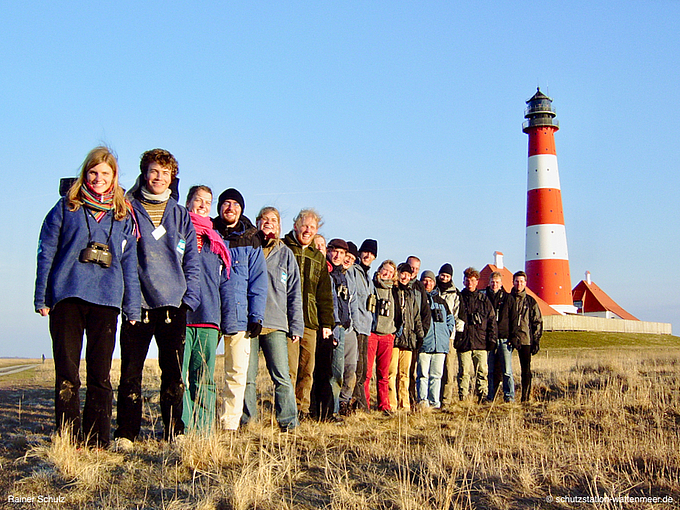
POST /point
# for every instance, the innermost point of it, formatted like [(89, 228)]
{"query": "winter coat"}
[(387, 315), (526, 322), (169, 269), (478, 315), (247, 285), (61, 275), (284, 297), (317, 300), (409, 336), (443, 325), (341, 296), (500, 302), (452, 297), (421, 299), (213, 278), (362, 317)]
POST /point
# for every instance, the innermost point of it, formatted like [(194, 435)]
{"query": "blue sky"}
[(399, 121)]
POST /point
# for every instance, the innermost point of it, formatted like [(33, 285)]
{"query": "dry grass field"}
[(604, 423)]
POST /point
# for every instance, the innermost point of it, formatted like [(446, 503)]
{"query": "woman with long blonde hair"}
[(86, 273)]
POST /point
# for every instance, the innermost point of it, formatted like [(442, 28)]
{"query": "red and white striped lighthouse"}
[(547, 260)]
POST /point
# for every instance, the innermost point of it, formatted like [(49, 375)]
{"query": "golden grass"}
[(602, 423)]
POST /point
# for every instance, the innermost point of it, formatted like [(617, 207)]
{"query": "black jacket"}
[(479, 333), (500, 302)]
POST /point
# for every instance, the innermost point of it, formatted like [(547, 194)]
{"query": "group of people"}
[(322, 321)]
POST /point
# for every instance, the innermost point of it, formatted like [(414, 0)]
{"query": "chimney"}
[(588, 277), (498, 259)]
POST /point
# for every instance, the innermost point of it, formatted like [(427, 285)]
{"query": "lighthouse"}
[(547, 260)]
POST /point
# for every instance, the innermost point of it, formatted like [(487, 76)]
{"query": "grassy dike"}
[(602, 340)]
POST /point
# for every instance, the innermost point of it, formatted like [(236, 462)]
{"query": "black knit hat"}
[(352, 248), (447, 269), (404, 268), (369, 245), (231, 194)]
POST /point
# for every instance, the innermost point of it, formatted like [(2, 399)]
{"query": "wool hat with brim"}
[(370, 246), (338, 244)]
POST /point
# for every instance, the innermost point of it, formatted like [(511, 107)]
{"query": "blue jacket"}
[(169, 270), (213, 307), (247, 286), (437, 337), (283, 311), (61, 275), (362, 319)]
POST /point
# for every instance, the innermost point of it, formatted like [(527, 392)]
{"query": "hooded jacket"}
[(284, 296), (213, 306), (478, 315), (452, 297), (526, 322), (61, 275), (362, 318), (500, 301), (169, 269), (442, 326), (247, 286), (341, 296), (317, 299), (410, 334)]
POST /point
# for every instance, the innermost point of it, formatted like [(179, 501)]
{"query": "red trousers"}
[(380, 351)]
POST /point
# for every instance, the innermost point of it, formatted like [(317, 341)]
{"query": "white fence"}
[(583, 323)]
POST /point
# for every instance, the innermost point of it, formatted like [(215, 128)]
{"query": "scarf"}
[(147, 196), (101, 203), (269, 243), (98, 203), (203, 227), (444, 286)]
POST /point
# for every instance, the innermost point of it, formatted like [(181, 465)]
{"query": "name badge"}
[(284, 277), (158, 233), (180, 246)]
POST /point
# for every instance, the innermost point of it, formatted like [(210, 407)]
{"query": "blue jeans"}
[(430, 371), (502, 354), (275, 349), (338, 366)]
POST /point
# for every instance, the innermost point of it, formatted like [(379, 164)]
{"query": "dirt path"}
[(15, 369)]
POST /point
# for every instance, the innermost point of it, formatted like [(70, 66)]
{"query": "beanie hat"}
[(339, 244), (446, 269), (370, 246), (404, 268), (231, 194), (352, 248), (427, 274)]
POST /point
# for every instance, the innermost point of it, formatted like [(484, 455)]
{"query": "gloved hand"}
[(535, 347), (254, 329)]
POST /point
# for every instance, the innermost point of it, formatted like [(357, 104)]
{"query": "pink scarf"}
[(203, 227)]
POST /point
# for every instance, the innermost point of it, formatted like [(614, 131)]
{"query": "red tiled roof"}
[(484, 274), (596, 300)]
